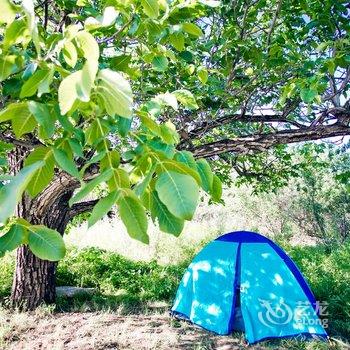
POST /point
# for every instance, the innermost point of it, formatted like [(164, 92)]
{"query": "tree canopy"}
[(131, 97)]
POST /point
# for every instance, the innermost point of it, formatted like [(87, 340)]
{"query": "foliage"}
[(68, 98), (328, 275), (110, 273), (99, 94), (323, 205)]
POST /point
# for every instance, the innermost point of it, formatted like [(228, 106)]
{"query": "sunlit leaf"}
[(133, 216), (12, 238), (151, 8), (11, 193), (179, 193), (43, 175), (45, 243), (116, 93), (103, 206)]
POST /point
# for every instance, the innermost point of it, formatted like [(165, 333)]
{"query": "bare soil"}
[(94, 331)]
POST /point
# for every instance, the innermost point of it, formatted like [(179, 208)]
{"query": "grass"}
[(117, 279)]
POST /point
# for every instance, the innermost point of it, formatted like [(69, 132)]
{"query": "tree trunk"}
[(34, 280)]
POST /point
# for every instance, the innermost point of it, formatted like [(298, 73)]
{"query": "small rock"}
[(70, 292)]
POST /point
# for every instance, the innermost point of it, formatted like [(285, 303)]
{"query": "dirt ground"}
[(85, 331), (97, 331)]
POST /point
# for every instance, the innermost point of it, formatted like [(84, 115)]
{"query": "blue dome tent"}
[(244, 281)]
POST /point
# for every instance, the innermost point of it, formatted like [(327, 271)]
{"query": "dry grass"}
[(97, 331), (86, 331)]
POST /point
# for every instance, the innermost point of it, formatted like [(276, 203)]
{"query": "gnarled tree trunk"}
[(34, 279)]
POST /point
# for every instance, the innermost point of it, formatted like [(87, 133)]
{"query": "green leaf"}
[(111, 160), (179, 193), (77, 86), (192, 29), (216, 190), (141, 187), (12, 239), (90, 186), (44, 173), (95, 159), (179, 167), (203, 75), (121, 62), (149, 123), (124, 126), (15, 33), (88, 45), (160, 63), (31, 86), (67, 91), (167, 99), (186, 98), (44, 86), (308, 95), (187, 158), (8, 11), (133, 216), (28, 8), (19, 110), (8, 66), (107, 19), (119, 179), (206, 174), (45, 243), (66, 163), (96, 131), (151, 8), (23, 123), (167, 150), (70, 54), (167, 221), (102, 207), (11, 193), (76, 147), (177, 39), (43, 116), (88, 75), (116, 93)]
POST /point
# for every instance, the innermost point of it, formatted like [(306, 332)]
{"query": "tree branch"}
[(82, 207), (226, 119), (262, 142), (21, 143), (272, 26)]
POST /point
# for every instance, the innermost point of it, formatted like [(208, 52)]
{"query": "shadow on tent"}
[(243, 281)]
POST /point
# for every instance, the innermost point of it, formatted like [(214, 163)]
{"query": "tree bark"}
[(34, 280)]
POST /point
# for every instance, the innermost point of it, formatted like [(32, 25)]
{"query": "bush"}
[(7, 265), (111, 273), (328, 273)]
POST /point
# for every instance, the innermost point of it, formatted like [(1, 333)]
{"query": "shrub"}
[(111, 273), (328, 273)]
